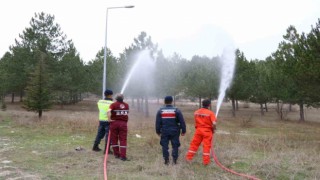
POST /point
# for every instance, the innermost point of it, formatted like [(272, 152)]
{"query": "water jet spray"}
[(228, 61), (141, 70)]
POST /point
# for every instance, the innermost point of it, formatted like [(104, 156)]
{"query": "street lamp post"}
[(105, 51)]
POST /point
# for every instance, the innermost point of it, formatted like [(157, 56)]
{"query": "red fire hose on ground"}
[(106, 158), (226, 169)]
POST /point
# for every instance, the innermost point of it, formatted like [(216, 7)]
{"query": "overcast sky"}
[(199, 27)]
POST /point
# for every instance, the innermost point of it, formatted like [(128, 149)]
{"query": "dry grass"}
[(262, 146)]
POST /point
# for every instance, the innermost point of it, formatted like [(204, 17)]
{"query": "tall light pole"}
[(105, 50)]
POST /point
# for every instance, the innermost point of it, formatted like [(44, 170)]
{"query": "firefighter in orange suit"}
[(205, 124)]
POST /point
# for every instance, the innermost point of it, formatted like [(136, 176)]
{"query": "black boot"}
[(174, 161), (96, 148), (166, 161), (124, 159)]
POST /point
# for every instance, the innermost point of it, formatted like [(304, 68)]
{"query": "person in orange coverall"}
[(205, 124)]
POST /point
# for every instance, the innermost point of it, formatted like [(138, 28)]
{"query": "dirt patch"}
[(7, 168)]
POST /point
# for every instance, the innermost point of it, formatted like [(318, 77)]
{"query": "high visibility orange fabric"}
[(204, 120)]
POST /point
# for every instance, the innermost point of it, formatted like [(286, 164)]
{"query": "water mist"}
[(228, 61), (141, 71)]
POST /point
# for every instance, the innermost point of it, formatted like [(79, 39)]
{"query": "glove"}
[(214, 128)]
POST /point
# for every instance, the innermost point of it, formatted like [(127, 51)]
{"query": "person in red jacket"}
[(205, 124), (118, 113)]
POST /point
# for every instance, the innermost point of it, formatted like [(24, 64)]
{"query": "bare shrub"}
[(262, 144), (246, 105), (3, 106), (246, 122)]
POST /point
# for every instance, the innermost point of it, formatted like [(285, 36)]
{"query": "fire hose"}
[(229, 170), (106, 158)]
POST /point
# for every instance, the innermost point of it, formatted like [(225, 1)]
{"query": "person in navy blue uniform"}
[(169, 124)]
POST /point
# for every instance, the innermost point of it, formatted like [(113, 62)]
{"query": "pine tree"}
[(38, 94)]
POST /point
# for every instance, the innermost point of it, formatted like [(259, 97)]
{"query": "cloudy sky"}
[(188, 27)]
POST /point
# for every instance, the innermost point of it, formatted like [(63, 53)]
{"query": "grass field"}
[(262, 146)]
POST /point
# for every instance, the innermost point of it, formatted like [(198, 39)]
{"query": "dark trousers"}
[(118, 137), (103, 131), (172, 137)]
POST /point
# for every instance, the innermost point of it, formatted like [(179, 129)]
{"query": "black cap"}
[(168, 99), (108, 92), (206, 103)]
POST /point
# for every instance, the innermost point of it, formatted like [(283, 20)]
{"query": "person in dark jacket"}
[(169, 124)]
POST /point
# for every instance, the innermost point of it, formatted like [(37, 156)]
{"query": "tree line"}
[(43, 68)]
